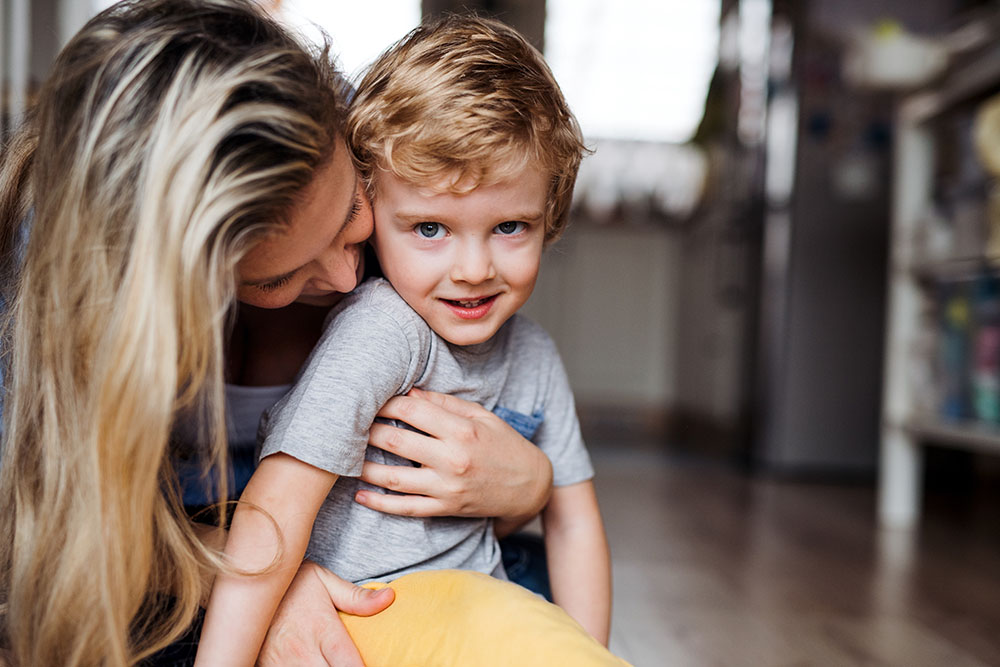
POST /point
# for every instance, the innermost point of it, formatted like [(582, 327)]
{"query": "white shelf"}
[(962, 84), (904, 431), (980, 436), (930, 271)]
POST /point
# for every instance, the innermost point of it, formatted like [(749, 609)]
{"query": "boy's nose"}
[(472, 265)]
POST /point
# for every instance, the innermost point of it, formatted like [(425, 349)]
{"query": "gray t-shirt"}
[(375, 347)]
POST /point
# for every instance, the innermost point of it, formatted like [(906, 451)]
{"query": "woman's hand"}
[(472, 462), (306, 629)]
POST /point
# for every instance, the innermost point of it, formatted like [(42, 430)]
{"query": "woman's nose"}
[(338, 269)]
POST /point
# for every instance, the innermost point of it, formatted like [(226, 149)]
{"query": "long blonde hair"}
[(169, 137)]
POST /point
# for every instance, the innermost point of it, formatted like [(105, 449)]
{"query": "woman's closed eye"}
[(277, 283), (431, 230), (510, 227), (352, 215), (356, 205)]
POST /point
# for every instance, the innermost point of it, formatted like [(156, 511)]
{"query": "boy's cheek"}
[(525, 266), (379, 241), (389, 251)]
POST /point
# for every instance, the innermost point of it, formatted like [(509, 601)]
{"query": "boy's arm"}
[(290, 492), (578, 558)]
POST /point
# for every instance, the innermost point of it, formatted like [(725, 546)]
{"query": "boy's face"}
[(464, 262)]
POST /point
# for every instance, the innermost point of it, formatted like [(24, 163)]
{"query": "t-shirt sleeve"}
[(559, 434), (364, 357)]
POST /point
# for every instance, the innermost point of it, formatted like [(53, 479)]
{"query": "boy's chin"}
[(469, 337)]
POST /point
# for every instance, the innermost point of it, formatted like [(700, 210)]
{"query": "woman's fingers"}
[(400, 478), (408, 505), (433, 413), (449, 403), (422, 490), (352, 598), (306, 630), (472, 462), (405, 443)]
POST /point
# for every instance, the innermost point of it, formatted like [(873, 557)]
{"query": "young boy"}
[(470, 154)]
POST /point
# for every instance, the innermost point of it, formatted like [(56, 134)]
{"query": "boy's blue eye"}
[(430, 230), (509, 227)]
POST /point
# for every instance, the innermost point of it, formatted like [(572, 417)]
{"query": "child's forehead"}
[(460, 180), (454, 182), (527, 191)]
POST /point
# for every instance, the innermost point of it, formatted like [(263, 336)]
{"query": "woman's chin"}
[(325, 300)]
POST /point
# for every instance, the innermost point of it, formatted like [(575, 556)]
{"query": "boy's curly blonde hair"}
[(469, 100)]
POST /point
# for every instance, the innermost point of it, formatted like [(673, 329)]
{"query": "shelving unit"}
[(906, 426), (965, 434)]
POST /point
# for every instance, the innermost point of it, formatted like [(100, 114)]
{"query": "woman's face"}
[(317, 256)]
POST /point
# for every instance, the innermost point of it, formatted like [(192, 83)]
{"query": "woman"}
[(184, 155)]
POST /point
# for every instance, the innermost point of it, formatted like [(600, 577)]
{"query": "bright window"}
[(634, 69), (359, 31)]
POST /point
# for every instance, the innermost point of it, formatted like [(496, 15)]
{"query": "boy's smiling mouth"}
[(470, 303), (471, 309)]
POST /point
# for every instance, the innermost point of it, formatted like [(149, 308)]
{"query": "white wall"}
[(712, 326), (609, 297)]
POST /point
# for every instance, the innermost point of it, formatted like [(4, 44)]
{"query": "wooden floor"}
[(712, 567)]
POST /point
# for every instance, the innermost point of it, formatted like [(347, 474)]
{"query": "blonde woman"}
[(185, 156)]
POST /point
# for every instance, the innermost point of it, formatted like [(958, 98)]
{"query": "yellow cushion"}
[(442, 618)]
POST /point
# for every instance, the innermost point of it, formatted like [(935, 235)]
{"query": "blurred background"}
[(778, 303)]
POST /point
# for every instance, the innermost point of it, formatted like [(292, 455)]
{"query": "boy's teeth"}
[(470, 304)]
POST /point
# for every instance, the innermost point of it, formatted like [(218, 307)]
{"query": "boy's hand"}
[(471, 462), (306, 629)]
